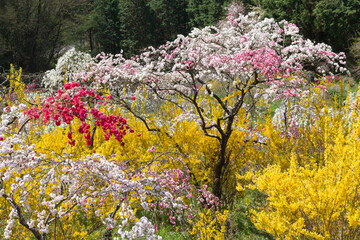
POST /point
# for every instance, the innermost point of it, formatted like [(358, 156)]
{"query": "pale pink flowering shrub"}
[(66, 186)]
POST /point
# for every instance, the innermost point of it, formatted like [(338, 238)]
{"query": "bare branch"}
[(22, 220)]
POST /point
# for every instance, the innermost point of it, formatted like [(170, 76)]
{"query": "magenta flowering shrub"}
[(75, 102)]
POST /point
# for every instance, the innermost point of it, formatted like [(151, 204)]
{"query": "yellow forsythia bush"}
[(210, 225), (312, 187)]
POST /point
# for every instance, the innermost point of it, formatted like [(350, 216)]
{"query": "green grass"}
[(239, 225), (169, 232)]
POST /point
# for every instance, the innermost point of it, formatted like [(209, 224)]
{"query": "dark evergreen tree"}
[(338, 21), (108, 26), (80, 29), (32, 31), (205, 12), (171, 19), (334, 22), (137, 26)]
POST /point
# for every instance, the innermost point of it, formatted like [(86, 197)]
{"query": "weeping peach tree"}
[(229, 68)]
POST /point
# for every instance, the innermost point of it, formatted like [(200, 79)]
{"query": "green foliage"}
[(334, 22), (80, 29), (168, 232), (108, 25), (205, 12), (134, 25), (240, 226), (338, 21), (137, 26), (32, 31), (298, 12), (171, 19)]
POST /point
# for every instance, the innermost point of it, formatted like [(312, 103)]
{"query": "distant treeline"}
[(34, 32)]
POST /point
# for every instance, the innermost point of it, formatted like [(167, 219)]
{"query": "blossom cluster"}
[(75, 102), (251, 46), (70, 63)]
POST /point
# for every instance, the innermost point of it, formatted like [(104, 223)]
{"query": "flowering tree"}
[(227, 67), (68, 64)]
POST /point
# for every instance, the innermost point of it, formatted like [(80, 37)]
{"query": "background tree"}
[(33, 31), (108, 26), (137, 26), (80, 30), (334, 22), (338, 22), (205, 12), (171, 19)]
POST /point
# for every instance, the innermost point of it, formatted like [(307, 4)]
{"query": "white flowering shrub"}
[(68, 65)]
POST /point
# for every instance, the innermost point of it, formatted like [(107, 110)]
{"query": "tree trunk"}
[(219, 167), (108, 234)]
